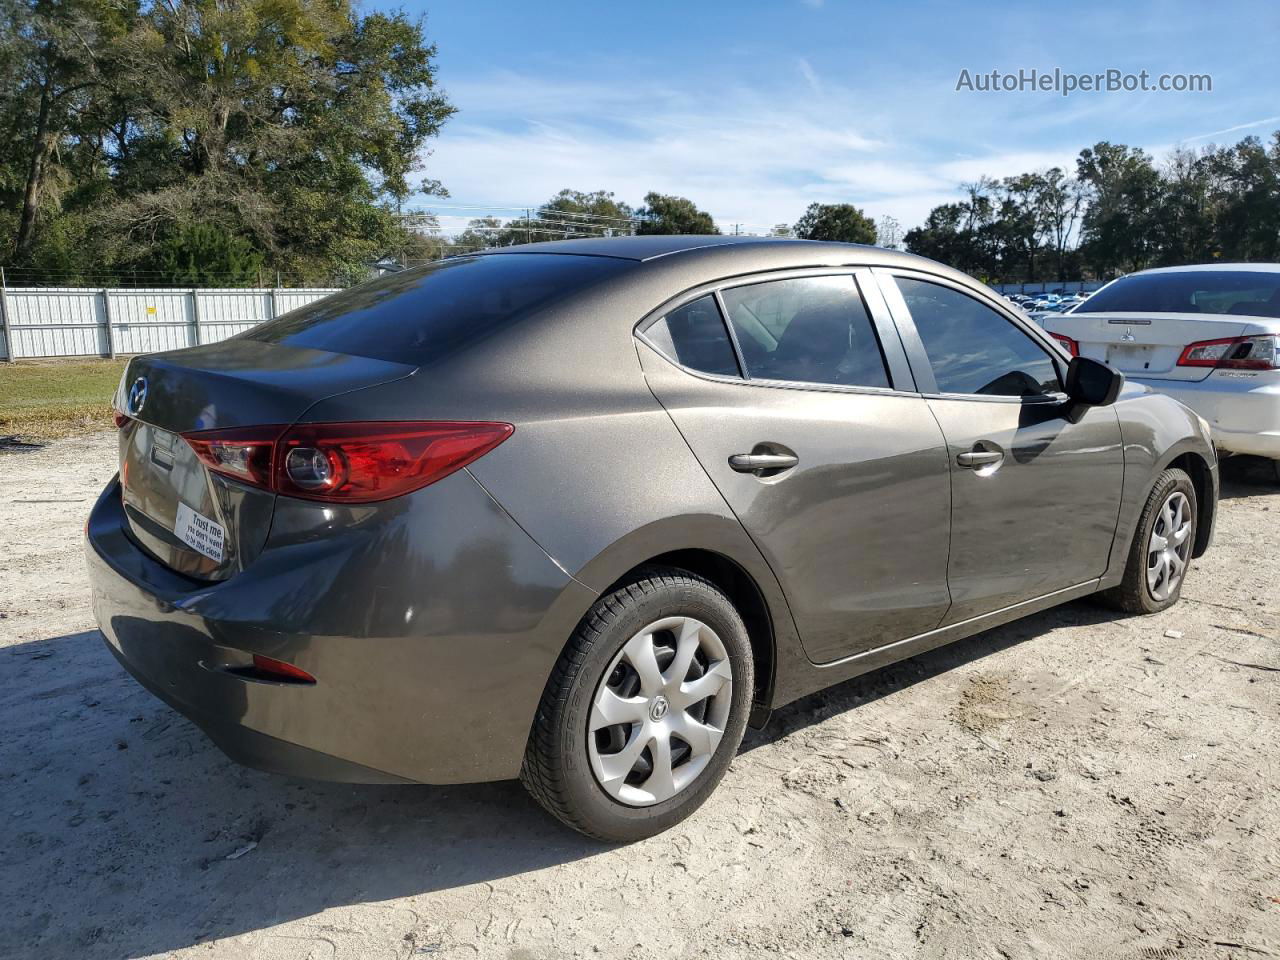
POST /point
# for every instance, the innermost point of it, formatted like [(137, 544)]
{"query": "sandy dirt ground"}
[(1078, 784)]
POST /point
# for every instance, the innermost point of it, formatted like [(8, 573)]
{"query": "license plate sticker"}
[(199, 532)]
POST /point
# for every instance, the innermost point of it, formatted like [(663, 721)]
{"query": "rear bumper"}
[(1243, 411), (426, 671)]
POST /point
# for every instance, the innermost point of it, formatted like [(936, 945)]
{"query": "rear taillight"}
[(1073, 348), (1261, 352), (346, 462), (245, 453), (120, 417)]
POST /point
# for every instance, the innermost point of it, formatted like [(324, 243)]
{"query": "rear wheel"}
[(1161, 550), (645, 708)]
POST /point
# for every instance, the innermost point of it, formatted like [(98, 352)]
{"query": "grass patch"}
[(51, 399)]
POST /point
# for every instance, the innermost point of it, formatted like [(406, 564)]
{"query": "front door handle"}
[(762, 462), (975, 459)]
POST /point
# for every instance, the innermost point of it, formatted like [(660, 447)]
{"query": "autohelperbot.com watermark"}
[(1065, 83)]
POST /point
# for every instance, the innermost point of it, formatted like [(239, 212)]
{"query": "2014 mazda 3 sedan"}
[(579, 512)]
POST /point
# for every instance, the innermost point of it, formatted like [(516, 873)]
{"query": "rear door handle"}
[(760, 462), (979, 458)]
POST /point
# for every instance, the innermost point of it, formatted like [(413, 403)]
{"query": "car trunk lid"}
[(193, 520), (1144, 345)]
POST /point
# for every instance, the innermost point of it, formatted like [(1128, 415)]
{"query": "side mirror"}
[(1093, 383)]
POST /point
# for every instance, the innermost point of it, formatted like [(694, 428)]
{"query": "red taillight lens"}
[(1072, 347), (347, 462), (271, 669), (1260, 352), (120, 417), (362, 462), (242, 452)]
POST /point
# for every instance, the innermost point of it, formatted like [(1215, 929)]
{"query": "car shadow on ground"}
[(131, 834), (897, 677), (1247, 477)]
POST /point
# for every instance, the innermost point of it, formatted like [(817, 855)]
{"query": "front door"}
[(1034, 491), (838, 475)]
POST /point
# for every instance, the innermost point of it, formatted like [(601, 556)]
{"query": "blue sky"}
[(756, 109)]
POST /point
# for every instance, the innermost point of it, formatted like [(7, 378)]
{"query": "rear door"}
[(813, 432), (1035, 495)]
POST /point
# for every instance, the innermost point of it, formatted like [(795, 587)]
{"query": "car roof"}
[(634, 248), (736, 254), (1223, 267)]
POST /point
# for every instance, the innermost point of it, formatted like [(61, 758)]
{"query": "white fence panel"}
[(287, 300), (224, 313), (56, 322), (148, 321), (87, 322)]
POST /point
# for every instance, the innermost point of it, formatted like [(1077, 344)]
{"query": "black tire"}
[(1132, 594), (557, 768)]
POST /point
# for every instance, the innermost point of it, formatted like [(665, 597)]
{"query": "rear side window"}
[(806, 330), (972, 348), (1244, 293), (427, 313), (694, 335)]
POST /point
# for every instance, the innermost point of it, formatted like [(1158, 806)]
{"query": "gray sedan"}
[(581, 512)]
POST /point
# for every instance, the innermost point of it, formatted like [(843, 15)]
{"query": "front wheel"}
[(1161, 550), (644, 710)]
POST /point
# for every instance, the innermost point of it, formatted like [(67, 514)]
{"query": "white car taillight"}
[(1259, 352)]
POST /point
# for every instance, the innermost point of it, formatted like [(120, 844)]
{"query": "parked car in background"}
[(1208, 335), (578, 512)]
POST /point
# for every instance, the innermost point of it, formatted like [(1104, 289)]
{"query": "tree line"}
[(577, 213), (1120, 210)]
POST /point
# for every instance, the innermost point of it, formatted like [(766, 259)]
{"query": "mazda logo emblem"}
[(659, 709), (137, 396)]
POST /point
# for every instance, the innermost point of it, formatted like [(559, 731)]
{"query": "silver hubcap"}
[(1169, 546), (660, 711)]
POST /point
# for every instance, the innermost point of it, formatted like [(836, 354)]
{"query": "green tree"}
[(51, 69), (201, 254), (842, 222), (569, 214), (665, 214), (293, 124), (1119, 229)]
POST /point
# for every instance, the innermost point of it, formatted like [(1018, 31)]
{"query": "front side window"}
[(972, 348), (806, 330), (695, 337)]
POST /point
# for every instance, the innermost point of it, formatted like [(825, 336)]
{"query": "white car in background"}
[(1207, 335)]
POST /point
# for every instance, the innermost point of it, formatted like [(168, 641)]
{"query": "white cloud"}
[(1239, 126), (810, 75), (752, 151)]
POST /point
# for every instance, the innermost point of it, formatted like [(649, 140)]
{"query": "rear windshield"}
[(426, 313), (1240, 292)]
